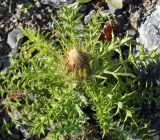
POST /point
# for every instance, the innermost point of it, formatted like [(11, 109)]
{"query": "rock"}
[(50, 25), (4, 49), (158, 3), (121, 24), (156, 137), (16, 114), (89, 16), (14, 133), (25, 133), (132, 8), (149, 32), (55, 3), (134, 19), (121, 19), (4, 63), (15, 38), (30, 96), (42, 11), (112, 9), (39, 16), (2, 10), (131, 32), (151, 10), (79, 27)]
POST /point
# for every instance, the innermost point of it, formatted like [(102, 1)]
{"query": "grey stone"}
[(143, 19), (156, 137), (4, 49), (121, 19), (25, 133), (4, 63), (125, 27), (13, 53), (149, 32), (55, 3), (30, 96), (39, 16), (89, 16), (152, 9), (79, 27), (2, 8), (131, 33), (124, 12), (17, 115), (15, 38), (42, 11), (158, 2), (135, 19), (51, 25)]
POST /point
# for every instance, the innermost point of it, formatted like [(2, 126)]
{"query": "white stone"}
[(149, 32), (54, 3), (15, 38)]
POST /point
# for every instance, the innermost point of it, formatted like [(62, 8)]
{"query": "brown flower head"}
[(76, 60)]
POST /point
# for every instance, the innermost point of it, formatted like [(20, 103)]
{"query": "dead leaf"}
[(107, 31)]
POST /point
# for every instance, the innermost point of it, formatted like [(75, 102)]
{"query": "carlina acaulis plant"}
[(77, 62), (76, 83)]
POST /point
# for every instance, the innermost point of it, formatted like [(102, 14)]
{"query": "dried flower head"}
[(76, 60)]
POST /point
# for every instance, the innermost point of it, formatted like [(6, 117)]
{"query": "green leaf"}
[(115, 3), (120, 106), (83, 1), (26, 7), (128, 114)]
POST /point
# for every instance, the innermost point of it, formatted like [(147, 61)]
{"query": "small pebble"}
[(131, 33), (50, 25), (39, 16), (121, 19), (42, 11)]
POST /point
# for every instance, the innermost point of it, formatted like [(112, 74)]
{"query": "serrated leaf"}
[(79, 110), (120, 106), (128, 114)]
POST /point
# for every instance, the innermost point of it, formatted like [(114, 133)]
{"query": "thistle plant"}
[(69, 76)]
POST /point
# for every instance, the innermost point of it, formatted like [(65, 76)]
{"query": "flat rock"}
[(89, 17), (55, 3), (149, 32), (15, 38)]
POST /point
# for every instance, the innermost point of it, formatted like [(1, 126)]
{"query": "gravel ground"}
[(134, 18)]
